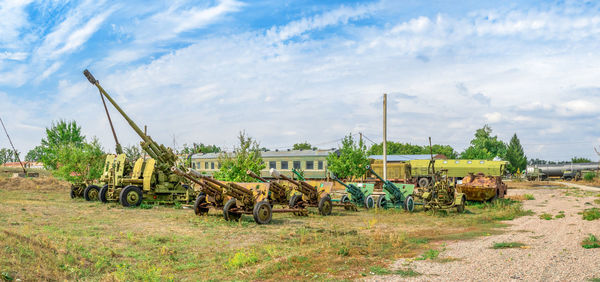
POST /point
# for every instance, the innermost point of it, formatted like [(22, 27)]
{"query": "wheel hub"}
[(132, 197)]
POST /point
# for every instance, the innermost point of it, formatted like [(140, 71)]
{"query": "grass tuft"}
[(429, 254), (591, 242), (591, 214), (507, 245), (546, 216), (529, 197)]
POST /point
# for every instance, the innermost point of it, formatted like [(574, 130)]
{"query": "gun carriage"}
[(357, 194), (395, 195), (305, 195)]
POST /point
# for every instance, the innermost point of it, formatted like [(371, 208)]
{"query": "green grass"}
[(529, 197), (378, 270), (507, 245), (46, 235), (560, 215), (591, 214), (591, 242), (546, 216)]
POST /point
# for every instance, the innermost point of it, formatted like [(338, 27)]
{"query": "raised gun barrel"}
[(302, 186), (351, 188), (275, 187), (164, 156), (387, 185)]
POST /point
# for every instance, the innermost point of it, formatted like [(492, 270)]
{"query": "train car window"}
[(212, 165), (310, 165), (205, 165), (457, 162), (320, 164), (469, 162), (272, 164), (481, 162), (445, 162), (297, 165), (284, 165), (194, 165)]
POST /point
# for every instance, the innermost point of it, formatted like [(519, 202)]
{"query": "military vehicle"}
[(305, 195), (154, 182), (358, 194), (396, 195), (479, 187)]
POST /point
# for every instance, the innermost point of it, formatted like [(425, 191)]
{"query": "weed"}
[(591, 242), (429, 254), (560, 215), (529, 197), (6, 276), (177, 206), (241, 258), (546, 216), (343, 251), (589, 176), (146, 206), (591, 214), (378, 270), (507, 245)]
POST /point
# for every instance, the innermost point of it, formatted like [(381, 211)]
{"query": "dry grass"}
[(47, 236)]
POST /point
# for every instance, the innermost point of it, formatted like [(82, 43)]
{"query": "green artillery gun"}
[(211, 194), (155, 182), (396, 195), (359, 196), (309, 196)]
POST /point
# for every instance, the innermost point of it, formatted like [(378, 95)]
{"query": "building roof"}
[(276, 153), (403, 158)]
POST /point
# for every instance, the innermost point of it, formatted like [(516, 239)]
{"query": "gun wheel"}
[(409, 204), (130, 196), (295, 201), (102, 194), (369, 202), (72, 192), (262, 212), (325, 205), (200, 205), (346, 201), (91, 193), (229, 211), (382, 202), (461, 208)]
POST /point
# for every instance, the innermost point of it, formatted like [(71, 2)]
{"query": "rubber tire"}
[(423, 182), (72, 193), (325, 205), (294, 200), (102, 194), (382, 202), (231, 216), (345, 200), (86, 192), (461, 208), (369, 202), (200, 211), (125, 192), (409, 204), (260, 208)]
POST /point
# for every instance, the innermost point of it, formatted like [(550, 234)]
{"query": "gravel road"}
[(552, 250)]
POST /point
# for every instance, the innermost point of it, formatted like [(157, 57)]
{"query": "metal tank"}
[(557, 170)]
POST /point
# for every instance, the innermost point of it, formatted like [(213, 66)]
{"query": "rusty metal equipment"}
[(278, 194), (479, 187), (442, 195), (210, 195), (156, 183), (358, 195), (396, 195), (305, 195)]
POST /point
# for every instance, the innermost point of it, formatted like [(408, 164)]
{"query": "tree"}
[(60, 134), (515, 155), (484, 146), (7, 156), (196, 148), (350, 160), (35, 154), (245, 157), (303, 146), (133, 152), (394, 148), (79, 162), (580, 160)]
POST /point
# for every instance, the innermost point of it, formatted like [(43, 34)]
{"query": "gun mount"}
[(395, 195), (355, 195), (309, 196)]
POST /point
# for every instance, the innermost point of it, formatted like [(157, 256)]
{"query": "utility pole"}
[(384, 136)]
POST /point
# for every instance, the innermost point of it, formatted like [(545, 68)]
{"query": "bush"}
[(589, 176), (591, 214), (591, 242)]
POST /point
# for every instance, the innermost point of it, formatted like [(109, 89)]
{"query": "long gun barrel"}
[(213, 191), (352, 189), (387, 185), (275, 187), (303, 187), (158, 152)]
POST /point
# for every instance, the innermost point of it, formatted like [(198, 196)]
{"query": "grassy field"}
[(45, 235)]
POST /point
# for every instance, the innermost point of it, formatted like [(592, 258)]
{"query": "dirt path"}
[(552, 250)]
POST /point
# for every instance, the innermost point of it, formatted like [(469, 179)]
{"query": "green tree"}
[(79, 162), (35, 154), (580, 160), (245, 157), (484, 146), (303, 146), (7, 156), (61, 133), (196, 148), (133, 152), (515, 155), (350, 160), (395, 148)]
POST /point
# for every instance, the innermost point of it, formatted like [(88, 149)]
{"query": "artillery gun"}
[(395, 195), (211, 194), (358, 196), (309, 196), (154, 181)]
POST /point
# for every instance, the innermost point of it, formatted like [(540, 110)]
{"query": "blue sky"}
[(291, 71)]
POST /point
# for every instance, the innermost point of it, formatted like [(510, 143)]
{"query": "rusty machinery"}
[(278, 193), (305, 195), (479, 187), (211, 194)]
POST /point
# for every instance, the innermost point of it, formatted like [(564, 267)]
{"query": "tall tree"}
[(303, 146), (59, 134), (397, 148), (484, 146), (7, 156), (515, 155), (35, 154), (245, 157), (80, 162), (196, 148), (133, 152), (350, 160), (580, 160)]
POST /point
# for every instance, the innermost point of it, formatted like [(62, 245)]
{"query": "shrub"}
[(240, 259), (589, 176), (591, 214), (591, 242)]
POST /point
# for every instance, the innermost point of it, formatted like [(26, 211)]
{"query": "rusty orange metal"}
[(478, 187)]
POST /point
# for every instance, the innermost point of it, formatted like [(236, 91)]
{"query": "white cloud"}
[(12, 20), (17, 56), (493, 117)]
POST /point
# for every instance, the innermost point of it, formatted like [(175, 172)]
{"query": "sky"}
[(292, 71)]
